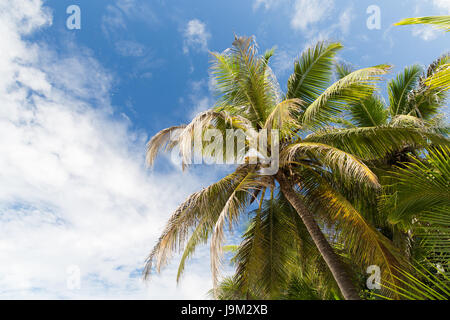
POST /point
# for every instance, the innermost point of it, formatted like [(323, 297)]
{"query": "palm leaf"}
[(338, 161), (366, 245), (352, 88), (312, 72), (376, 142), (400, 87), (206, 204), (440, 22)]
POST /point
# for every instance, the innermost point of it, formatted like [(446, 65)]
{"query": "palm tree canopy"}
[(249, 99)]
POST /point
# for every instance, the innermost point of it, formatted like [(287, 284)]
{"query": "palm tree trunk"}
[(331, 258)]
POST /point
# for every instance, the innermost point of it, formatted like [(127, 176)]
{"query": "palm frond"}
[(234, 205), (206, 204), (420, 282), (425, 100), (312, 72), (400, 87), (245, 82), (440, 22), (441, 79), (273, 244), (284, 117), (369, 112), (160, 141), (342, 70), (420, 186), (366, 245), (376, 142), (354, 87), (347, 165)]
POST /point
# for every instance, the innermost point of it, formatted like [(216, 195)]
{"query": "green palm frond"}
[(376, 142), (363, 241), (440, 22), (400, 87), (441, 79), (244, 79), (356, 86), (419, 200), (369, 112), (269, 251), (228, 289), (342, 70), (420, 282), (420, 186), (284, 117), (206, 206), (234, 205), (425, 100), (345, 164), (432, 228), (312, 72)]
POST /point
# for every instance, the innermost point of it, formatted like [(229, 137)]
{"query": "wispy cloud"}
[(120, 12), (426, 33), (74, 191), (442, 5), (429, 7), (308, 13), (266, 4), (196, 36), (129, 48)]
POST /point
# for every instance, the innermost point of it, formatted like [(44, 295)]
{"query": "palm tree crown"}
[(316, 161)]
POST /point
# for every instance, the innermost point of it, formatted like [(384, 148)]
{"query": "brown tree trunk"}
[(331, 258)]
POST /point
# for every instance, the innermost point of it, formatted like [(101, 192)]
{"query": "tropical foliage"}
[(317, 223)]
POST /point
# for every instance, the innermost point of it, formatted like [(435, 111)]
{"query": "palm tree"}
[(442, 77), (418, 202), (277, 258), (313, 159)]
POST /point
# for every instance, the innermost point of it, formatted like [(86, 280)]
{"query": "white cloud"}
[(443, 5), (422, 8), (345, 20), (195, 36), (115, 18), (73, 188), (267, 4), (426, 33), (128, 48), (283, 61), (308, 13)]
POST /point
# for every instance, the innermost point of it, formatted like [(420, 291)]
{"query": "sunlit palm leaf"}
[(312, 72), (352, 88), (366, 244), (420, 284), (400, 87), (206, 204), (338, 161), (376, 142), (441, 22)]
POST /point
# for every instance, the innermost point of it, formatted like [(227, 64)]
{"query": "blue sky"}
[(79, 105)]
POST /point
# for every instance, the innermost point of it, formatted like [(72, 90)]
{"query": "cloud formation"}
[(308, 13), (195, 36), (74, 192)]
